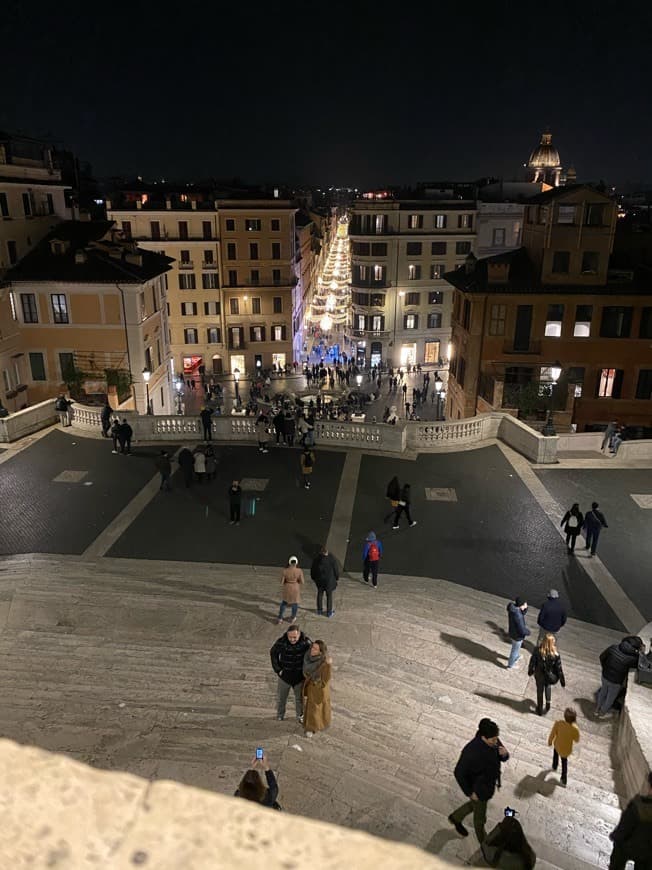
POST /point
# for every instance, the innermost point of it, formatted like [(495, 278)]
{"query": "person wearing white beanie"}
[(292, 580)]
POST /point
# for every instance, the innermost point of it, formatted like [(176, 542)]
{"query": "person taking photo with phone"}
[(252, 787)]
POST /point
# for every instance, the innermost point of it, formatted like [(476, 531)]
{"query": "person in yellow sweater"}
[(564, 733)]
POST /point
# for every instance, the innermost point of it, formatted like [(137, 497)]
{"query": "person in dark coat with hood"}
[(404, 505), (632, 836), (617, 660), (393, 493), (187, 465), (571, 524), (326, 573), (105, 418), (517, 628), (552, 616), (478, 775), (594, 522)]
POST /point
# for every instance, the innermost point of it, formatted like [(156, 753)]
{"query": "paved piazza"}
[(139, 639)]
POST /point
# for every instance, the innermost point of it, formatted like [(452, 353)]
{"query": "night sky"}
[(369, 93)]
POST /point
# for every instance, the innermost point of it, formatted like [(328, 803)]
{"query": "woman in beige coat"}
[(291, 582), (316, 688)]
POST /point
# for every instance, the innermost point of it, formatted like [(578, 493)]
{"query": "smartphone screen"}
[(259, 753)]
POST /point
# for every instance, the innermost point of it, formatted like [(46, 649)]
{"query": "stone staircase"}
[(162, 669)]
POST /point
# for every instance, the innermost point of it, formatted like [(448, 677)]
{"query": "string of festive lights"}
[(331, 302)]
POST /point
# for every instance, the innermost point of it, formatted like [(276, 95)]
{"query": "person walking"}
[(562, 736), (206, 416), (125, 434), (252, 787), (199, 463), (164, 467), (287, 661), (307, 465), (235, 501), (571, 524), (617, 661), (594, 522), (262, 434), (517, 628), (292, 580), (478, 775), (545, 666), (632, 836), (186, 464), (393, 493), (404, 505), (552, 616), (115, 434), (317, 671), (326, 573), (105, 419), (371, 555)]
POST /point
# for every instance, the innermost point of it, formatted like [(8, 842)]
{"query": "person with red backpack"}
[(371, 553)]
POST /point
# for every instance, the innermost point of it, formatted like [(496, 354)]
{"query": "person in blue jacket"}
[(517, 629), (371, 555)]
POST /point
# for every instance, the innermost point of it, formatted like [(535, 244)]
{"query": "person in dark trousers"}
[(517, 628), (632, 836), (290, 430), (207, 423), (594, 522), (478, 774), (562, 737), (115, 432), (393, 493), (287, 660), (371, 555), (609, 433), (235, 501), (125, 434), (252, 787), (307, 465), (105, 419), (187, 465), (617, 661), (571, 524), (326, 573), (404, 505), (552, 616), (279, 426), (507, 848), (545, 667), (164, 467)]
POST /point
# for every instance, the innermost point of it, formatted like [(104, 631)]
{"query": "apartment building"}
[(555, 305), (32, 201), (230, 287), (401, 247), (90, 308)]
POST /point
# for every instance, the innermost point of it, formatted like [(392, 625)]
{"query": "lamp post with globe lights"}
[(179, 387), (438, 388), (146, 376), (236, 381), (549, 428)]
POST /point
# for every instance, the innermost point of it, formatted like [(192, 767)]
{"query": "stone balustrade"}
[(28, 420), (419, 436), (633, 743)]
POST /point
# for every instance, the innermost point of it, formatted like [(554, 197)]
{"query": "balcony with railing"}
[(185, 264), (208, 266)]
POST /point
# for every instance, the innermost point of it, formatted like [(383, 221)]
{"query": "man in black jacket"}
[(617, 660), (478, 773), (325, 572), (207, 423), (552, 616), (632, 836), (287, 660)]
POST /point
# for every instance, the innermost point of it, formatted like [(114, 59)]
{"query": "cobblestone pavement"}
[(162, 669), (625, 496), (62, 491)]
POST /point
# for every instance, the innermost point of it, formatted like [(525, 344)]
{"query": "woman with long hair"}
[(545, 666), (252, 787), (316, 688), (507, 847)]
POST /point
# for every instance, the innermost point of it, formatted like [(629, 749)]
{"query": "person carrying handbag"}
[(545, 666)]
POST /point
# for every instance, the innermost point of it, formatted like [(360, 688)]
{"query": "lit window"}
[(583, 317), (378, 273), (360, 321), (414, 272), (415, 221), (437, 271), (440, 221), (554, 321), (410, 321), (380, 223), (234, 306), (278, 333), (376, 322), (606, 386), (252, 225)]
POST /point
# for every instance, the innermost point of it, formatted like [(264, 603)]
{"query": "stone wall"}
[(59, 813), (28, 420)]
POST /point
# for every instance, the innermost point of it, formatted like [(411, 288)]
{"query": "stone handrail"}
[(640, 449), (59, 812), (28, 420), (419, 436)]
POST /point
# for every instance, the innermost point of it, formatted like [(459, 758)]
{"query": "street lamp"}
[(438, 388), (146, 376), (549, 428), (179, 386), (236, 378), (396, 295)]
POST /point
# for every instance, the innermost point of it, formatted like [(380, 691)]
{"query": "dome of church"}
[(545, 154)]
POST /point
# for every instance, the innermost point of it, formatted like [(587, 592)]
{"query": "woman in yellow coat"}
[(316, 688)]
